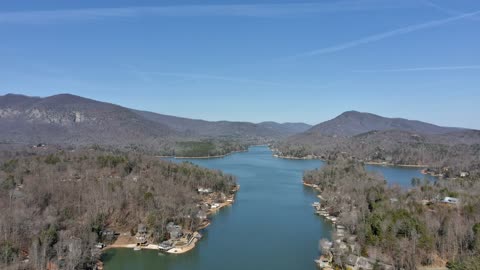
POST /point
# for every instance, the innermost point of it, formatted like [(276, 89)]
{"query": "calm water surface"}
[(270, 226)]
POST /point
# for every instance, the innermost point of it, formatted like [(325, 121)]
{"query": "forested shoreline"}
[(57, 204), (401, 228), (208, 148), (440, 157)]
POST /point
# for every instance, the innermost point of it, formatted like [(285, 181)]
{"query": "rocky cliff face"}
[(45, 116), (72, 120)]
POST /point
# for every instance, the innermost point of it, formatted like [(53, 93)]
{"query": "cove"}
[(270, 226)]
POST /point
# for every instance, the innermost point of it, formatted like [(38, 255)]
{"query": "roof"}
[(142, 228), (450, 200), (352, 260)]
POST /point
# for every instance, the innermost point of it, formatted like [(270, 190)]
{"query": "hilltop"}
[(399, 141)]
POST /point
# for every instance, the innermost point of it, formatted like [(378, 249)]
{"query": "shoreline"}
[(196, 236), (395, 165), (367, 163), (298, 158), (205, 157), (324, 262)]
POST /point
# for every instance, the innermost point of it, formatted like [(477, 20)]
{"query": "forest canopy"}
[(54, 206), (403, 228)]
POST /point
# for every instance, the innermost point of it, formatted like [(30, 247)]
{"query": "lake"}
[(271, 225)]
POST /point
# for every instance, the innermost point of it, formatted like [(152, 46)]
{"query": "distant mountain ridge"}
[(225, 128), (353, 123), (73, 120), (374, 138)]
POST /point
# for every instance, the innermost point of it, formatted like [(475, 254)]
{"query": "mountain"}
[(195, 127), (72, 120), (286, 128), (393, 140), (353, 126), (353, 123)]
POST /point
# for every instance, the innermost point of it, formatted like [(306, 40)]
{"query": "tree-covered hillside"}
[(54, 205)]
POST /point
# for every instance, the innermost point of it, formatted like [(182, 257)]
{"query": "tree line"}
[(403, 228), (55, 205), (449, 159)]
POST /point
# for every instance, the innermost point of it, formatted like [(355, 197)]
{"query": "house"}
[(108, 235), (340, 234), (202, 215), (323, 263), (464, 174), (202, 190), (451, 200), (352, 239), (351, 261), (40, 145), (325, 245), (165, 245), (425, 202), (175, 231), (142, 229), (141, 234), (357, 262), (364, 263)]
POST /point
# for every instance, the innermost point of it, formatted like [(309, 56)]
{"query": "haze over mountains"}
[(73, 120)]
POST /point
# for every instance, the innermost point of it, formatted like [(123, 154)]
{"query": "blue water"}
[(401, 176), (270, 226)]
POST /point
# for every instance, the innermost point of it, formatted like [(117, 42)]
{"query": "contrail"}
[(237, 10), (439, 68), (446, 10), (384, 35)]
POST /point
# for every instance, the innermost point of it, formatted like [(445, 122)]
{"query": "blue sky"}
[(286, 61)]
